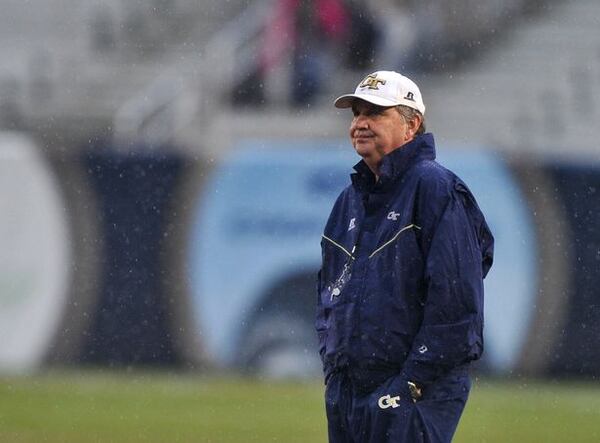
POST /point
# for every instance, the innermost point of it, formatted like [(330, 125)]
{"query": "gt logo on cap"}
[(372, 82)]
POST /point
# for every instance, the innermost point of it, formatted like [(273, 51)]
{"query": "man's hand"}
[(415, 391)]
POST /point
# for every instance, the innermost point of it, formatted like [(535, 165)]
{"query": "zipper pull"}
[(334, 293)]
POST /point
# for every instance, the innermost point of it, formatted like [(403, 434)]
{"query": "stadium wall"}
[(172, 260)]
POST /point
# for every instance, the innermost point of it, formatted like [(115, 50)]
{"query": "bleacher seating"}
[(534, 85)]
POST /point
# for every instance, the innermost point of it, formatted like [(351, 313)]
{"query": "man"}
[(405, 251)]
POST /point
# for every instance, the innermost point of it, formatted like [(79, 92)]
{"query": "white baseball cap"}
[(385, 88)]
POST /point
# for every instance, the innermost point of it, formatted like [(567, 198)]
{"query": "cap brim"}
[(346, 101)]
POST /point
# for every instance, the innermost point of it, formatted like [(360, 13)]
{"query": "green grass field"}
[(86, 407)]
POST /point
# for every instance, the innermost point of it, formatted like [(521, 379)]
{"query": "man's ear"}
[(414, 124)]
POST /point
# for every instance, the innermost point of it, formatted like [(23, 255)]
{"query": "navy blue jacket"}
[(401, 285)]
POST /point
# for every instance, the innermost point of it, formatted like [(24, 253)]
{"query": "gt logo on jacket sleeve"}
[(388, 401)]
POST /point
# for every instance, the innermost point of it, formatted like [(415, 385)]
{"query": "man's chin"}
[(363, 149)]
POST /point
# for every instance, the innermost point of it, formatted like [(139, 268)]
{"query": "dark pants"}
[(388, 413)]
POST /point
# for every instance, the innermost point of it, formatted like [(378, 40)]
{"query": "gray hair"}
[(411, 113)]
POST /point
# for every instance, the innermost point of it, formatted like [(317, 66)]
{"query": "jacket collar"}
[(395, 164)]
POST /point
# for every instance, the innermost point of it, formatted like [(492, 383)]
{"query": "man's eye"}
[(370, 112), (375, 111)]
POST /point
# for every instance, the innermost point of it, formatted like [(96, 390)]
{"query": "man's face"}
[(376, 131)]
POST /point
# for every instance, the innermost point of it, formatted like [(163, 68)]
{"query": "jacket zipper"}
[(335, 289)]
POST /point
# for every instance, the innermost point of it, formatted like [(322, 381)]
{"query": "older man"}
[(400, 305)]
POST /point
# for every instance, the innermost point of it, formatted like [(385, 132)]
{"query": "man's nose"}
[(360, 122)]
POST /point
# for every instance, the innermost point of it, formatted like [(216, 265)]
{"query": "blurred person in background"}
[(318, 24), (400, 304), (363, 41), (310, 35), (398, 34)]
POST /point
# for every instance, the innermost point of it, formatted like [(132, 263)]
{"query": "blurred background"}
[(167, 168)]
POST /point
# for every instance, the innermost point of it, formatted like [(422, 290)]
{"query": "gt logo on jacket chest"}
[(393, 215)]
